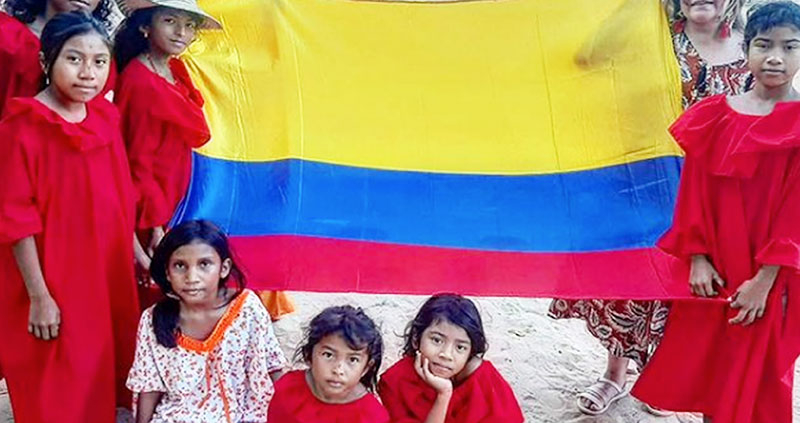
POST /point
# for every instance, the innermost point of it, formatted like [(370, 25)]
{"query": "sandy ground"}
[(547, 362)]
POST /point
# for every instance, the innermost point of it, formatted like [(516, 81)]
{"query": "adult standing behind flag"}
[(708, 45)]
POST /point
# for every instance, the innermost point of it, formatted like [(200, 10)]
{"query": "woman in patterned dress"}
[(707, 40)]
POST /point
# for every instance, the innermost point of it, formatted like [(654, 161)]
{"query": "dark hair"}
[(129, 40), (61, 28), (26, 11), (167, 311), (451, 308), (768, 16), (357, 330)]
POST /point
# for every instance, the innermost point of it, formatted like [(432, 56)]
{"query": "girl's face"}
[(62, 6), (774, 56), (81, 69), (337, 369), (703, 11), (195, 270), (447, 347), (171, 31)]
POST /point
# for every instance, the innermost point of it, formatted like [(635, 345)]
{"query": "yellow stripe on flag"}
[(487, 87)]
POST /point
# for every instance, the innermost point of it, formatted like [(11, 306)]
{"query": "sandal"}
[(658, 412), (603, 394)]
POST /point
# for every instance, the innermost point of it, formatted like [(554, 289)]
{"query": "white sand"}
[(547, 362)]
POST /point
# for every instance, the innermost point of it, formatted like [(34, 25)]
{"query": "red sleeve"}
[(393, 401), (19, 214), (20, 73), (687, 236), (503, 404), (783, 246), (142, 136)]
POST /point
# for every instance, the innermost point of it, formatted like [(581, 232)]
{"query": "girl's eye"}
[(169, 20), (73, 59), (355, 360), (179, 266), (436, 340), (101, 62), (462, 348), (191, 25), (327, 354)]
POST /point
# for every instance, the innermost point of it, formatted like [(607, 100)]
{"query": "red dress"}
[(294, 402), (739, 204), (67, 184), (20, 73), (485, 397), (161, 124)]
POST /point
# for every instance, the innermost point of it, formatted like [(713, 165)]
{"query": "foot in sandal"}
[(598, 397)]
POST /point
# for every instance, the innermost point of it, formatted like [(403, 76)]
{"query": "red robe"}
[(739, 204), (485, 397), (20, 73), (161, 124), (69, 186), (294, 402)]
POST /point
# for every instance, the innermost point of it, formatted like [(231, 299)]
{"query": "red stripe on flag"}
[(301, 263)]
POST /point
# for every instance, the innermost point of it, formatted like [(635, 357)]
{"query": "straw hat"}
[(129, 6)]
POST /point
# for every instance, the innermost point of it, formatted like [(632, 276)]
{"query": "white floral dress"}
[(223, 379)]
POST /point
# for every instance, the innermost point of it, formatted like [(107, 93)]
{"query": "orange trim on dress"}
[(214, 339)]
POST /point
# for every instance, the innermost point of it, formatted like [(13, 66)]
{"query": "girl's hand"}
[(44, 318), (423, 367), (751, 297), (703, 276), (155, 239)]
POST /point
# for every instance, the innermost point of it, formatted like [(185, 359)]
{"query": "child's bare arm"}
[(146, 406), (44, 316), (443, 387)]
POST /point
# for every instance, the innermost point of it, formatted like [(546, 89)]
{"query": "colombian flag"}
[(505, 147)]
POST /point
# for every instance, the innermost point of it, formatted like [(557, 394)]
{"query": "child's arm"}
[(703, 277), (146, 406), (443, 387), (44, 317), (139, 254), (751, 297)]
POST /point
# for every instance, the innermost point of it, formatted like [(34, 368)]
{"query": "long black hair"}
[(60, 29), (770, 15), (129, 39), (451, 308), (167, 311), (26, 11), (357, 330)]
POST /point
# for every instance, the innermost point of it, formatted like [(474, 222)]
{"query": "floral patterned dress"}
[(633, 329), (223, 379)]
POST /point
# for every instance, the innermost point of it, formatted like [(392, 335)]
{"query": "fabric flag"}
[(507, 147)]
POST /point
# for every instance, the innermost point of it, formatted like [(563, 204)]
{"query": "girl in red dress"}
[(737, 223), (68, 307), (343, 350), (162, 113), (443, 377), (20, 27)]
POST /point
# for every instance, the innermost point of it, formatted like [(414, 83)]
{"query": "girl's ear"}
[(145, 31), (225, 270)]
